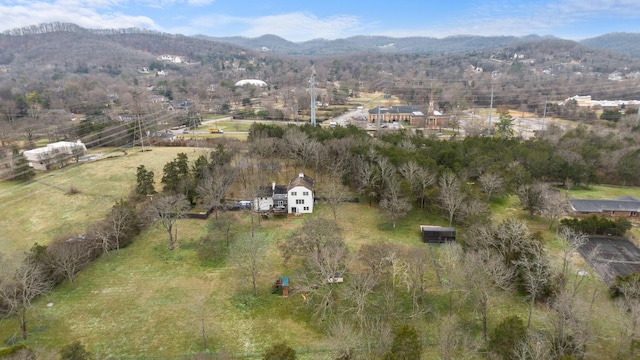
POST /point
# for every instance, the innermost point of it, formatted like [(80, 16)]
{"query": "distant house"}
[(127, 117), (295, 198), (627, 206), (54, 154), (437, 234), (392, 114), (164, 136)]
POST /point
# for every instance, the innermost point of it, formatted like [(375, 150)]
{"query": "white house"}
[(54, 154), (300, 195), (295, 198), (264, 199)]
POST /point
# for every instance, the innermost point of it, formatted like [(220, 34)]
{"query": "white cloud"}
[(296, 26), (87, 16), (200, 2)]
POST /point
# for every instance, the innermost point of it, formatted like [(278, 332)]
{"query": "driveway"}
[(614, 256)]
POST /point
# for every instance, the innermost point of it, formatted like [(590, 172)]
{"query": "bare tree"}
[(297, 145), (21, 281), (535, 348), (69, 256), (451, 195), (418, 178), (450, 261), (166, 211), (417, 264), (554, 206), (484, 271), (386, 170), (393, 202), (345, 339), (572, 242), (629, 305), (368, 179), (335, 193), (213, 188), (453, 343), (474, 211), (536, 276), (248, 253), (361, 285), (320, 243), (119, 223), (490, 183)]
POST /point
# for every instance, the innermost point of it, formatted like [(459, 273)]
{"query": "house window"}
[(299, 201), (305, 193), (306, 208), (294, 193)]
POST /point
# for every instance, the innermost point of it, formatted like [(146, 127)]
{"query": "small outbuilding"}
[(437, 234)]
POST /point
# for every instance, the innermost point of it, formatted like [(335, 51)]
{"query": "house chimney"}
[(301, 175), (273, 186)]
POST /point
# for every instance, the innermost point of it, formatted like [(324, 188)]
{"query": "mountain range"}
[(623, 43)]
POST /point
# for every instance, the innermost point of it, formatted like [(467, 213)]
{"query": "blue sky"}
[(330, 19)]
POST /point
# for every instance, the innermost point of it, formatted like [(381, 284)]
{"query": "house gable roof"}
[(279, 190), (626, 203), (301, 180)]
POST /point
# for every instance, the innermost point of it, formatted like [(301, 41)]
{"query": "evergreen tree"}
[(21, 169), (510, 333), (406, 344), (144, 182)]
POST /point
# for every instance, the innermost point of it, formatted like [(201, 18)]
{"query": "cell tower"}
[(312, 90), (138, 122)]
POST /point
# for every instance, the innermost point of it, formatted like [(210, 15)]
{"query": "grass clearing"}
[(604, 192), (148, 302), (42, 209)]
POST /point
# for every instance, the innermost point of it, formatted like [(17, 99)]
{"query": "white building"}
[(253, 82), (300, 195), (57, 153), (295, 198)]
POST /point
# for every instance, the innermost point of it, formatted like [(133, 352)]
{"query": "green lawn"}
[(43, 209), (604, 192), (146, 302)]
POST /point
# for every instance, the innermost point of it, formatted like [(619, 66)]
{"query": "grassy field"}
[(146, 302), (43, 208)]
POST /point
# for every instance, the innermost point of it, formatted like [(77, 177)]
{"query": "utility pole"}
[(138, 120), (194, 121), (544, 115), (378, 118), (312, 81), (490, 110)]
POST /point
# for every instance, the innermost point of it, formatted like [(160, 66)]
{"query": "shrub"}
[(74, 351), (73, 190), (406, 344), (507, 336), (280, 351), (631, 281)]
